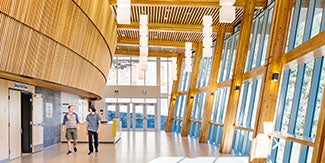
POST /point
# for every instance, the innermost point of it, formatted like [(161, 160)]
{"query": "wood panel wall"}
[(57, 42), (4, 139)]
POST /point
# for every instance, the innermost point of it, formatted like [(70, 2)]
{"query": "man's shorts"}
[(71, 133)]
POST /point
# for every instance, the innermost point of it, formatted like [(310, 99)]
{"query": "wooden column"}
[(319, 148), (169, 123), (241, 55), (212, 85), (193, 81), (276, 48)]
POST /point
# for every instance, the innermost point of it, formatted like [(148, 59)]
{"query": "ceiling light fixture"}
[(207, 36), (188, 56), (123, 11), (227, 11), (143, 34)]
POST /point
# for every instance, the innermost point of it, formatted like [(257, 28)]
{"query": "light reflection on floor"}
[(200, 160)]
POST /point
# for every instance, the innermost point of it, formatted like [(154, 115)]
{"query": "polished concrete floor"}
[(135, 147)]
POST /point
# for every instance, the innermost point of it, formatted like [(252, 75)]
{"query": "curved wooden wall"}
[(58, 44)]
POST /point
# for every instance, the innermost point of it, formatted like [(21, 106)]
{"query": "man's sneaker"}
[(75, 149), (96, 150), (91, 153), (69, 153)]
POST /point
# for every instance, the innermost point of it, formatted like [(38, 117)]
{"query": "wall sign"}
[(49, 110), (20, 86)]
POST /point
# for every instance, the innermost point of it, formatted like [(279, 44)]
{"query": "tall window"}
[(204, 72), (218, 114), (298, 110), (179, 113), (259, 39), (246, 115), (184, 81), (306, 21), (197, 112), (228, 58)]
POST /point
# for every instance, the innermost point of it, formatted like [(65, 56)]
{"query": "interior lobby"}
[(178, 81)]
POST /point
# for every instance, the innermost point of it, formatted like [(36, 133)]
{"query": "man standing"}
[(71, 126), (93, 128)]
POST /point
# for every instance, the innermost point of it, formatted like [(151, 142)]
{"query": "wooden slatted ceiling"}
[(164, 49), (166, 16), (163, 35)]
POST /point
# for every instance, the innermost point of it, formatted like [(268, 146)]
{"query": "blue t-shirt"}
[(93, 120)]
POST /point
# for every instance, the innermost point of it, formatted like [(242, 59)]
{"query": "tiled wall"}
[(52, 126)]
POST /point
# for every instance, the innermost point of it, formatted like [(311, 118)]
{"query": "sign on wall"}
[(49, 110)]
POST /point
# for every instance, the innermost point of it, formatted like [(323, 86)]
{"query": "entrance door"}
[(38, 122), (121, 110), (124, 114), (26, 122), (14, 124), (144, 116)]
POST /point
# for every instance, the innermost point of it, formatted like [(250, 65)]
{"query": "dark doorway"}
[(26, 119)]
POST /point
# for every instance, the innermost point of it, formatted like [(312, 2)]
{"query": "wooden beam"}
[(255, 73), (310, 50), (276, 48), (189, 3), (172, 103), (191, 92), (202, 89), (301, 140), (226, 83), (178, 44), (209, 100), (173, 27), (151, 54), (241, 55)]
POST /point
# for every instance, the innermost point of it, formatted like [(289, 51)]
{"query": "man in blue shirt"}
[(93, 129)]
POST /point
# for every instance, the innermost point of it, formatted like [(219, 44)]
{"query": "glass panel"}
[(318, 13), (164, 113), (301, 22), (319, 101), (112, 80), (289, 100), (151, 116), (267, 35), (111, 111), (138, 109), (310, 154), (257, 97), (163, 77), (295, 153), (124, 115), (280, 149), (151, 73), (303, 103), (124, 72)]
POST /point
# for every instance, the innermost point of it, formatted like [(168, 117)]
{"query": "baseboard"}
[(38, 148), (4, 161)]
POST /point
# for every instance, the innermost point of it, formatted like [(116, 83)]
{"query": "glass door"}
[(122, 111), (138, 116), (144, 116), (151, 116)]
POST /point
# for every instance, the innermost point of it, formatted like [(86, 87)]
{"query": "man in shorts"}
[(71, 126)]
